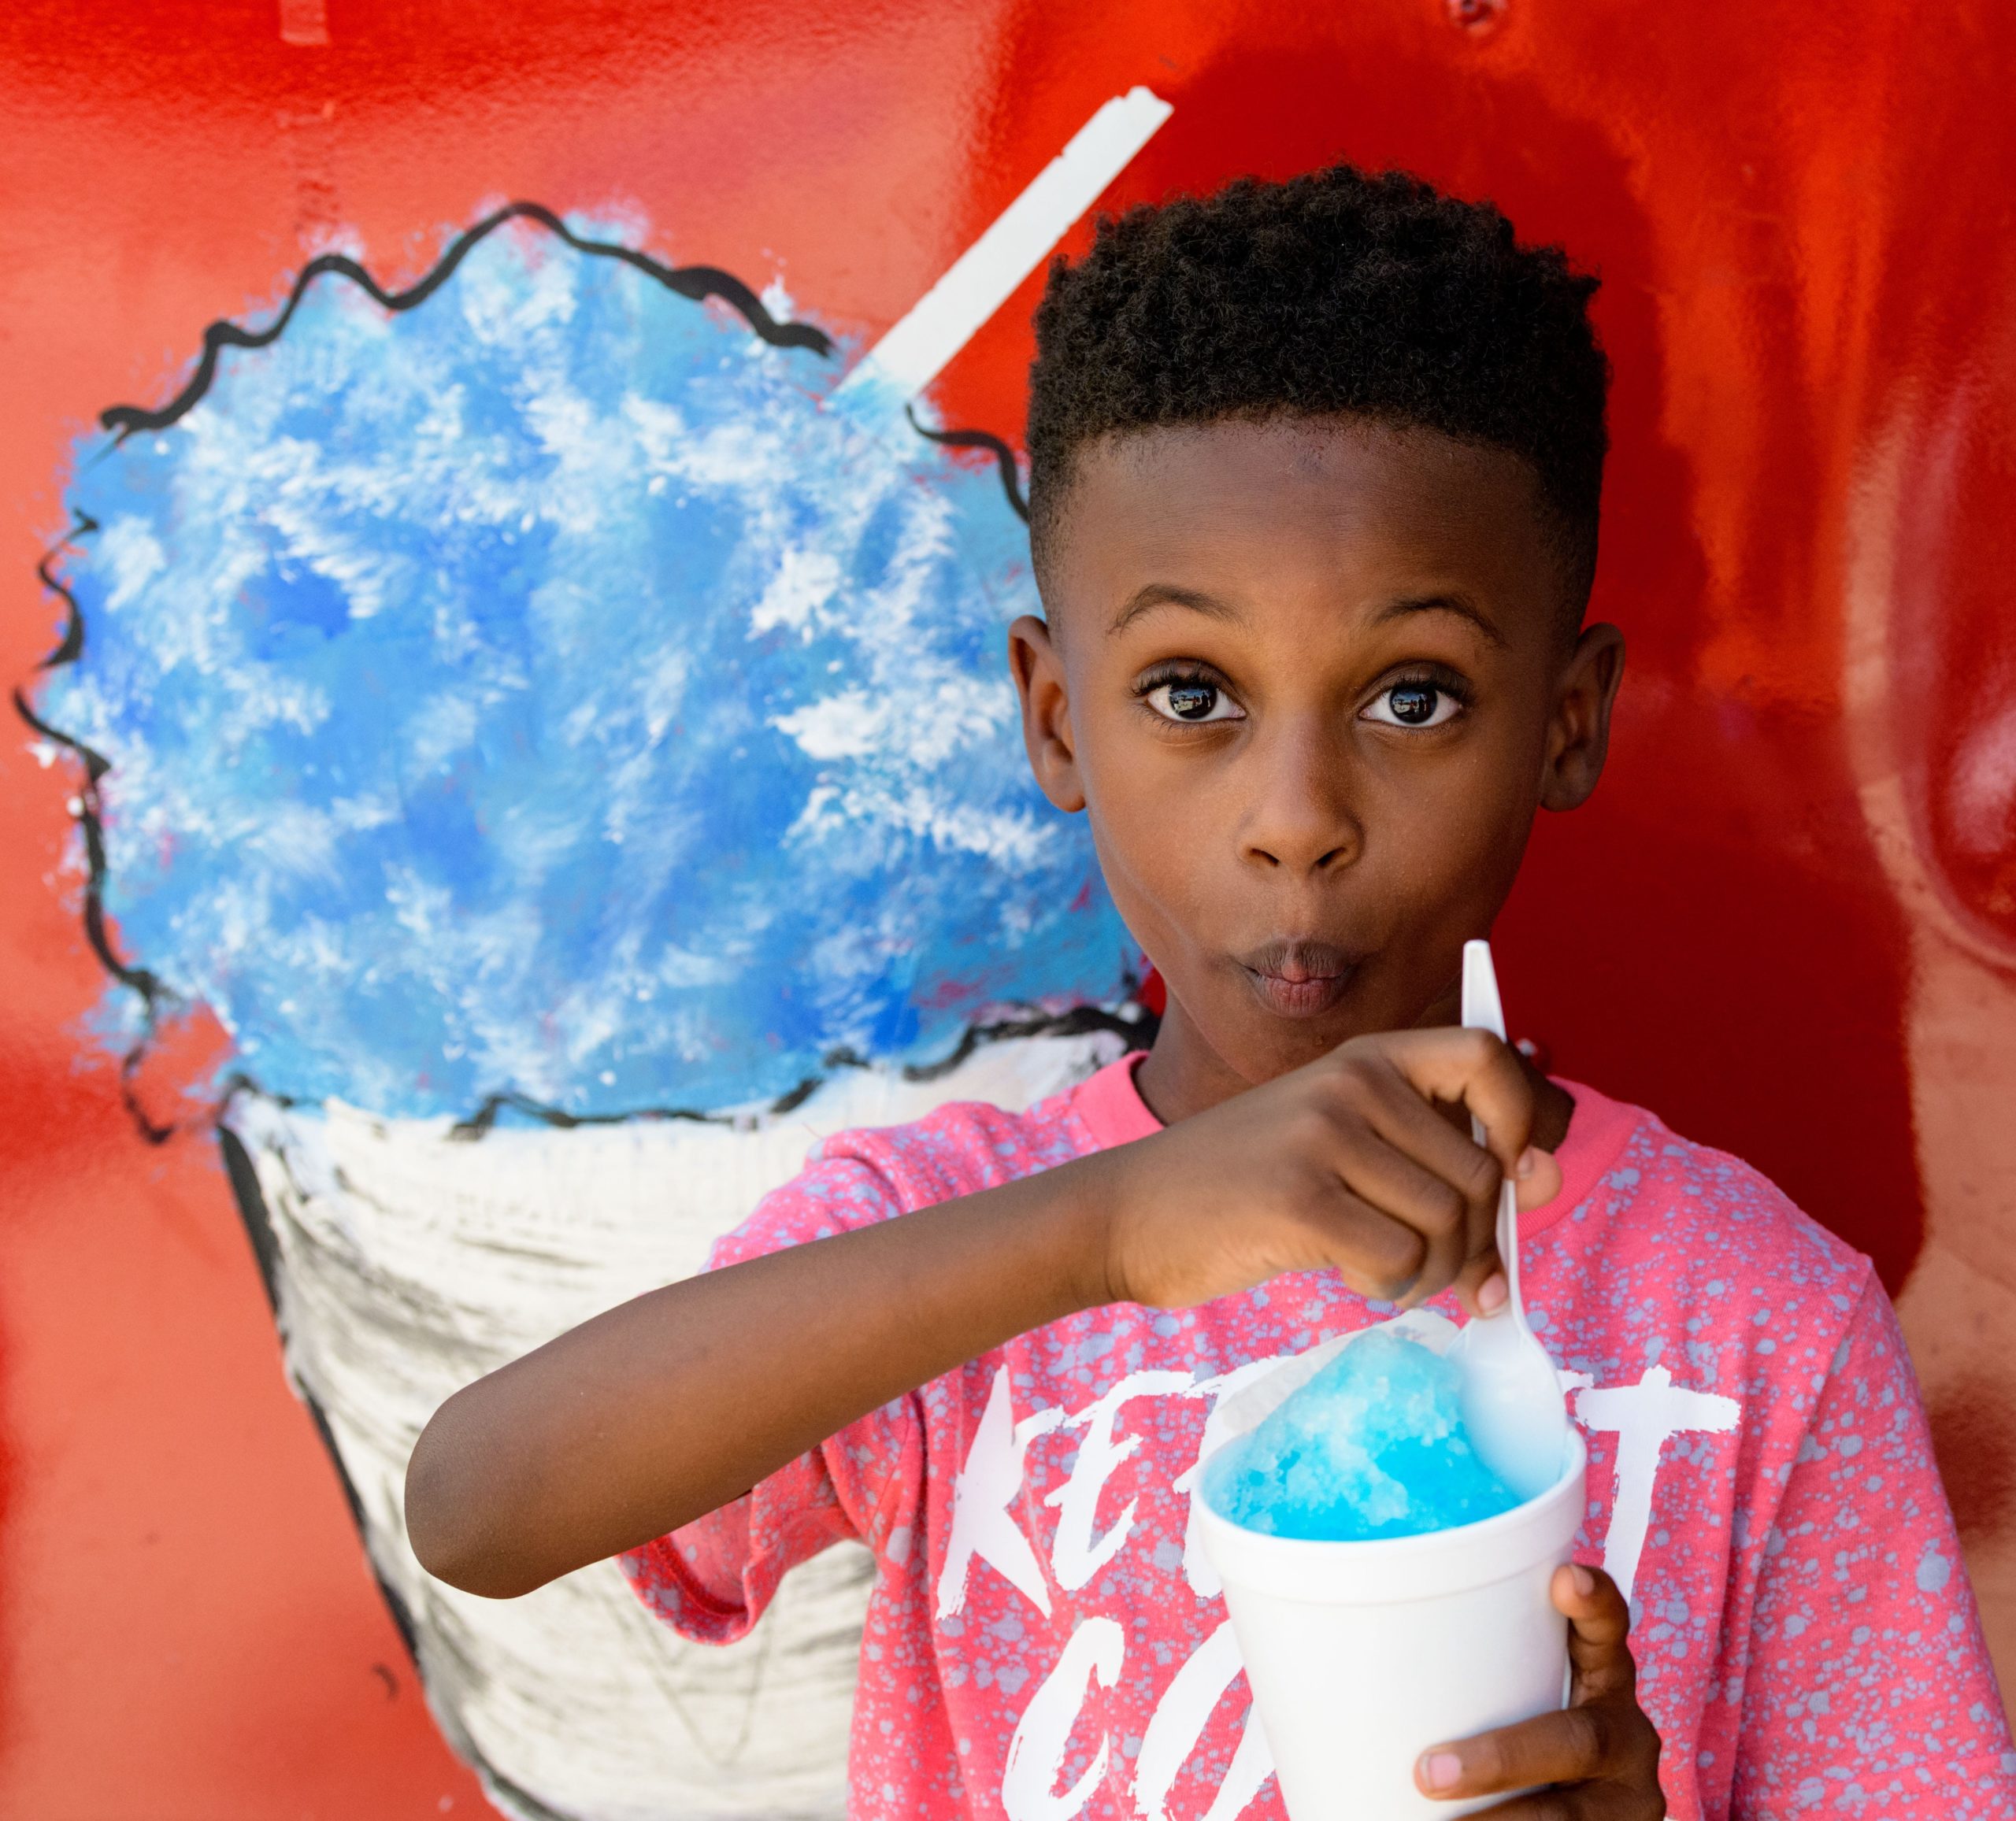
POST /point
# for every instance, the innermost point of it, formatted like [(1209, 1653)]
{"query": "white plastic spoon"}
[(1511, 1399)]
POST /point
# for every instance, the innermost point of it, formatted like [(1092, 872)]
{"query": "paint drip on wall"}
[(556, 689)]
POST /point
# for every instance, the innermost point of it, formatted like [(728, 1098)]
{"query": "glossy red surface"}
[(1788, 922)]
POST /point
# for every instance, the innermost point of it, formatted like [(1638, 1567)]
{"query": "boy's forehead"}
[(1229, 504)]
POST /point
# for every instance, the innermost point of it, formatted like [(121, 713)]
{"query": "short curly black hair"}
[(1337, 292)]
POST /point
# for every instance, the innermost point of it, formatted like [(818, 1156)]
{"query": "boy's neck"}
[(1182, 1075)]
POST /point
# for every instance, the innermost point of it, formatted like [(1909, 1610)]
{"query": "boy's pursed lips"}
[(1299, 979)]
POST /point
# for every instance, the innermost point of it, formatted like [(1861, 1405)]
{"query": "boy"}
[(1315, 474)]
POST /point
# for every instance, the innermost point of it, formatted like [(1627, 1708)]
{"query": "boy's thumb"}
[(1538, 1177)]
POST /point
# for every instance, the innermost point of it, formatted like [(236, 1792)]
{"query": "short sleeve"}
[(712, 1579), (1869, 1690)]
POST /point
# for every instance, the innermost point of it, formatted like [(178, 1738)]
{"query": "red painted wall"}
[(1789, 923)]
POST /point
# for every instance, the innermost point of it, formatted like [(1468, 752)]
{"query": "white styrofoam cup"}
[(1361, 1655)]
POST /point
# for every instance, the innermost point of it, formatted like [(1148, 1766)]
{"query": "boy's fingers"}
[(1395, 1154), (1378, 1256), (1382, 1096), (1602, 1736), (1387, 1178), (1480, 1070), (1482, 1283), (1538, 1176), (1590, 1601), (1576, 1745), (1599, 1628)]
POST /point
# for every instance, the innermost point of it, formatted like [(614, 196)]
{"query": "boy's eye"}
[(1193, 699), (1413, 705)]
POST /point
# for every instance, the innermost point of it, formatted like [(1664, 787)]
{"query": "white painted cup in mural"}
[(1361, 1655)]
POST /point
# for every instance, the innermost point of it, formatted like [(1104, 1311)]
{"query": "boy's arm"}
[(673, 1405), (676, 1402), (1866, 1660)]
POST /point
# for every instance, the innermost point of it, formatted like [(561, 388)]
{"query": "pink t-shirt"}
[(1045, 1639)]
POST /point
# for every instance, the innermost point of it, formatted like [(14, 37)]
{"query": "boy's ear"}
[(1578, 737), (1039, 668)]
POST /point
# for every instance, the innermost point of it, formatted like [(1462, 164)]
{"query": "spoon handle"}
[(1483, 1010), (1508, 1252)]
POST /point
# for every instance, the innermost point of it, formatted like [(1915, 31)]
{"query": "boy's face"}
[(1309, 680)]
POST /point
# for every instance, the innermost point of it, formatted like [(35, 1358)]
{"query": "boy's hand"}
[(1600, 1753), (1347, 1164)]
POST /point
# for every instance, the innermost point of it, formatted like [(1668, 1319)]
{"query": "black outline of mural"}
[(1004, 456), (697, 282), (153, 992)]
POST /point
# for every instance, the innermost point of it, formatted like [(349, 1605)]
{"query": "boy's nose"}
[(1299, 815)]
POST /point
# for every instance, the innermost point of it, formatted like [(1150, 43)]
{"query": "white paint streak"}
[(131, 557), (804, 581), (913, 353), (410, 1263)]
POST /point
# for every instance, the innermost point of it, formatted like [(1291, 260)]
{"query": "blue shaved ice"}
[(1373, 1445)]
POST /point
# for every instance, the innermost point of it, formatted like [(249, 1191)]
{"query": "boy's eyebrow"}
[(1150, 595), (1454, 604)]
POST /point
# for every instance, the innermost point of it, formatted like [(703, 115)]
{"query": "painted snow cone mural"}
[(555, 688), (564, 738)]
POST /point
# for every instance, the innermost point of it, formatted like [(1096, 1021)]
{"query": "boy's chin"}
[(1259, 1045)]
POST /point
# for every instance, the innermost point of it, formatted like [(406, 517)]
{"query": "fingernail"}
[(1529, 1160), (1441, 1770), (1585, 1582), (1492, 1293)]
